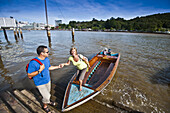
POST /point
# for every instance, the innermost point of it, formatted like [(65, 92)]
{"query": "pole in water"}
[(15, 35), (17, 32), (49, 35), (48, 31), (73, 35), (5, 34), (21, 33)]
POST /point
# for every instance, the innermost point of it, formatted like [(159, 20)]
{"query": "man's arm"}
[(54, 67), (30, 75), (65, 64)]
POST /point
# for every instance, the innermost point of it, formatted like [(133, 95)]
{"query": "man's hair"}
[(40, 49)]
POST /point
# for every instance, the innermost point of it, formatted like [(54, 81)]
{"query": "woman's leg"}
[(80, 85), (82, 74)]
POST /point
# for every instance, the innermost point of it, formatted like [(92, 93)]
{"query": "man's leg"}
[(45, 92), (48, 85)]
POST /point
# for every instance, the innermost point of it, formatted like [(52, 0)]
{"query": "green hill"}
[(154, 22), (150, 23)]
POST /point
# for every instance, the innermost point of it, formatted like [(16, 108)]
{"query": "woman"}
[(80, 62)]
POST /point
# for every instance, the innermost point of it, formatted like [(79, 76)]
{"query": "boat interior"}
[(101, 68)]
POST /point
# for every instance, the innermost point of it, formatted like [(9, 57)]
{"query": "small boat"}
[(103, 68)]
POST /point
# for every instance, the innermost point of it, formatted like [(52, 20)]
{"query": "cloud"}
[(80, 10)]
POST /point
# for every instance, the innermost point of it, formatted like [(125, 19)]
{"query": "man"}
[(41, 75)]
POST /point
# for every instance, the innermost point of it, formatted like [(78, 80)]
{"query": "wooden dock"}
[(29, 101)]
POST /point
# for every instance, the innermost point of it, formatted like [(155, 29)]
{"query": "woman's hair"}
[(40, 49), (72, 49)]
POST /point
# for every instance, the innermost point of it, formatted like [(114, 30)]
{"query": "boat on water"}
[(103, 68)]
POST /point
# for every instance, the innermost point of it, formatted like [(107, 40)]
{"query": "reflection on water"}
[(142, 78), (3, 72), (161, 77)]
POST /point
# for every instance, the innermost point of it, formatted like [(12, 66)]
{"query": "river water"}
[(142, 80)]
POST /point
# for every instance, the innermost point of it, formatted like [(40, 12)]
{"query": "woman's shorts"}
[(81, 74)]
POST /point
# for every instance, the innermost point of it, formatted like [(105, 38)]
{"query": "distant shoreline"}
[(124, 32), (100, 31)]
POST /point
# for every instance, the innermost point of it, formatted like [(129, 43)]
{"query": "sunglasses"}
[(46, 52)]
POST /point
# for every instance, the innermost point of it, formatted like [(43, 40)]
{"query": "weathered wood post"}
[(5, 35), (17, 32), (21, 33), (48, 29), (73, 35), (15, 35), (49, 34)]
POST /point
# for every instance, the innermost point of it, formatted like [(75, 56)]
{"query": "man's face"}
[(46, 52)]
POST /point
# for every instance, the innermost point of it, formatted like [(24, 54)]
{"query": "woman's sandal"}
[(47, 110)]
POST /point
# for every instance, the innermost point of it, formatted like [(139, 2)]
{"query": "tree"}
[(69, 27), (72, 24), (146, 23), (79, 27), (95, 28)]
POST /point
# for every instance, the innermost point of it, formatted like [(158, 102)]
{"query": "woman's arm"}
[(86, 61), (65, 64)]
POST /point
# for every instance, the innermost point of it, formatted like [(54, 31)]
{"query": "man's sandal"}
[(52, 104), (47, 110)]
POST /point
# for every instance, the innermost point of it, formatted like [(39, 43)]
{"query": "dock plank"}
[(34, 107), (31, 96), (4, 108), (14, 104)]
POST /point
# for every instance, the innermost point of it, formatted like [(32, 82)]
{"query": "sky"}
[(80, 10)]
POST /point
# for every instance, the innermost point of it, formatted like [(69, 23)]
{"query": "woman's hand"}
[(61, 65)]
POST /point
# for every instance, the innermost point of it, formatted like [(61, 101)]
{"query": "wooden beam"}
[(6, 37), (15, 35), (21, 33)]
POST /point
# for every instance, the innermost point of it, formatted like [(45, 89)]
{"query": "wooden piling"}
[(73, 35), (49, 35), (72, 31), (6, 37), (15, 35), (48, 30), (21, 33), (17, 32)]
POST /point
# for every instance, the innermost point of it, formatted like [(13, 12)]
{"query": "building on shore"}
[(11, 23), (23, 23), (34, 26), (7, 22)]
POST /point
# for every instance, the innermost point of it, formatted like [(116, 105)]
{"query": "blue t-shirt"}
[(44, 76)]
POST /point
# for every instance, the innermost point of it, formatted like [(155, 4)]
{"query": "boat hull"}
[(103, 68)]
